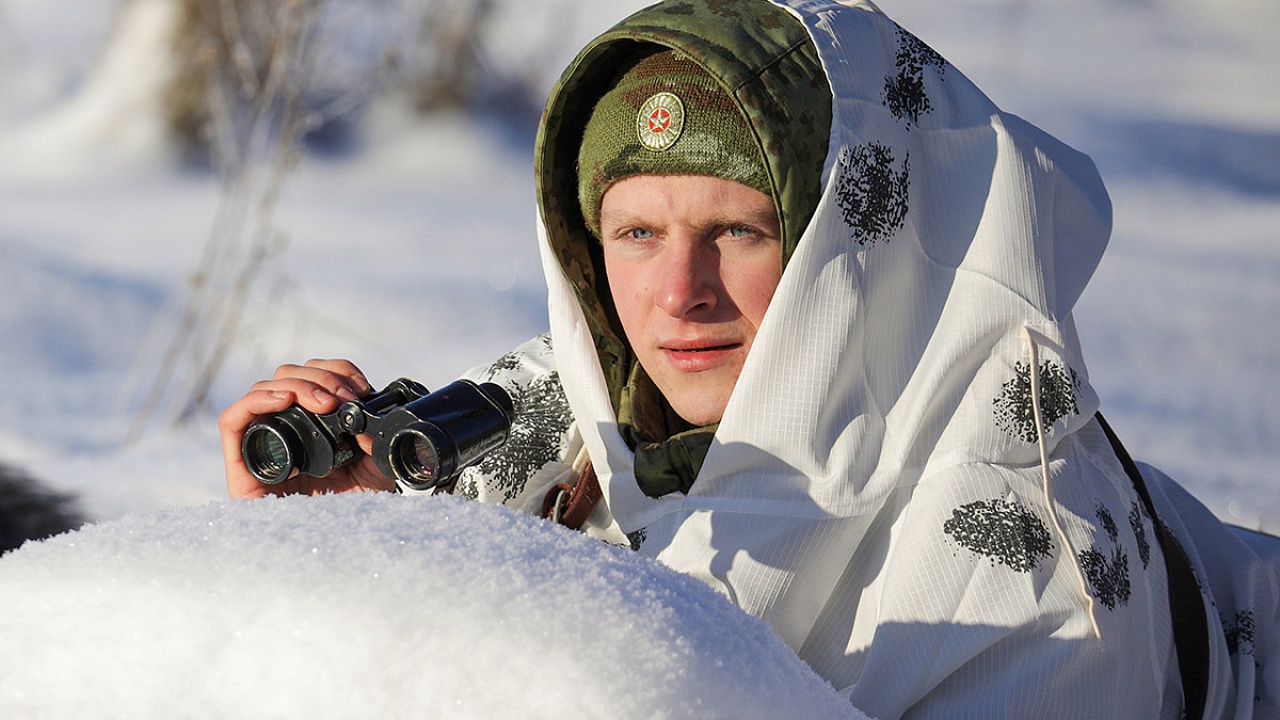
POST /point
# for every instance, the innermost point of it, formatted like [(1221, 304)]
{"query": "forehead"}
[(688, 197)]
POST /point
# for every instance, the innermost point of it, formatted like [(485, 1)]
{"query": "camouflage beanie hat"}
[(665, 116)]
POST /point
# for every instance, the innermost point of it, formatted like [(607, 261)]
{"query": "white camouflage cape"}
[(876, 490)]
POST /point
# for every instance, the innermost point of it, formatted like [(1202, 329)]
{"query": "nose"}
[(689, 282)]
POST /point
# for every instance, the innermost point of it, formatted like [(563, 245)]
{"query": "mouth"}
[(694, 357), (700, 347)]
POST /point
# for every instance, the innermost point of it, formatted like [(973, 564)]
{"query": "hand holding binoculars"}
[(421, 439)]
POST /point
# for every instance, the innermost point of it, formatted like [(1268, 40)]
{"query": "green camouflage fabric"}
[(763, 58), (703, 132)]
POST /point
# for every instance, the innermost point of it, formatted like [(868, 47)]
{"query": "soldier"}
[(811, 338)]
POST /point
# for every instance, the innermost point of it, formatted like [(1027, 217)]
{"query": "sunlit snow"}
[(410, 249), (376, 606)]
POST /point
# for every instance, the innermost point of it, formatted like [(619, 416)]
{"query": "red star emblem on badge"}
[(659, 120)]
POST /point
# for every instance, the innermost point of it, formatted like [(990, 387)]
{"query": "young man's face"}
[(693, 262)]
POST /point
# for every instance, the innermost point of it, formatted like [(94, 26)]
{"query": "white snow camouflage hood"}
[(909, 455), (897, 343)]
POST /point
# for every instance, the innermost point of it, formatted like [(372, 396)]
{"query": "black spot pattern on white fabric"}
[(637, 538), (1108, 523), (1136, 514), (1239, 631), (1006, 532), (1015, 413), (542, 418), (873, 191), (904, 92), (1108, 575), (512, 361)]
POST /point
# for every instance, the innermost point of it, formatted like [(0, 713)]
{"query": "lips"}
[(698, 356)]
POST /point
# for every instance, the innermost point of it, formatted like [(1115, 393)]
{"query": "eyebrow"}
[(763, 219)]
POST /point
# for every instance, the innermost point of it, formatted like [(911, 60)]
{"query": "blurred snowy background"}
[(352, 178), (155, 261), (179, 216), (176, 219)]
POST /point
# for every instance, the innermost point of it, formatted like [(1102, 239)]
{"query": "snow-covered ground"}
[(377, 606), (412, 252)]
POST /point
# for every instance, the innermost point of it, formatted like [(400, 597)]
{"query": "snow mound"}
[(376, 605)]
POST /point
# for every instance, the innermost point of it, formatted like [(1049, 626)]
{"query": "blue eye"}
[(640, 234), (739, 231)]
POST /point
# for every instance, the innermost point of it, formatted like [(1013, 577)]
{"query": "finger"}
[(232, 424), (315, 390), (256, 403), (366, 443), (353, 376), (341, 366), (367, 477)]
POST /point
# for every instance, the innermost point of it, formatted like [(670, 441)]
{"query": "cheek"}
[(627, 290), (753, 289)]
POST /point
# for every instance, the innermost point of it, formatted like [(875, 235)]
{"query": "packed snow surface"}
[(410, 249), (376, 605)]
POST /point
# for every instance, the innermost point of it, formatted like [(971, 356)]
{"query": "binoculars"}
[(421, 439)]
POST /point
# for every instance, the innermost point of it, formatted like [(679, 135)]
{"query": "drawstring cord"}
[(1033, 354), (572, 504)]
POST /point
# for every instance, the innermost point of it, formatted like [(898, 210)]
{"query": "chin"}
[(698, 399), (700, 414)]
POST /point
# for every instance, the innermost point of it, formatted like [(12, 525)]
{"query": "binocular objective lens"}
[(421, 458), (416, 460), (268, 455)]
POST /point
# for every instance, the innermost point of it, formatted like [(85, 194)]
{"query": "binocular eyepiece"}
[(421, 439)]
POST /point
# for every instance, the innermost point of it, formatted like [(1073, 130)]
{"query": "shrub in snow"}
[(376, 605)]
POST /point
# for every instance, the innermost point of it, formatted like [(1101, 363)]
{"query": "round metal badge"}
[(660, 121)]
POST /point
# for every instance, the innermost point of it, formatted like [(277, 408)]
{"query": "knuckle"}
[(286, 370)]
